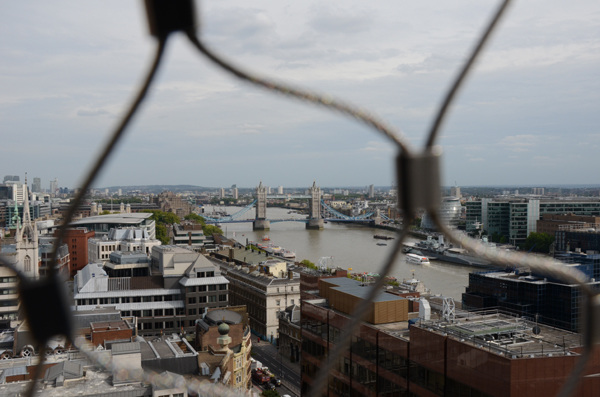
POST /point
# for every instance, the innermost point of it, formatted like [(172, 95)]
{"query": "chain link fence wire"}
[(413, 168)]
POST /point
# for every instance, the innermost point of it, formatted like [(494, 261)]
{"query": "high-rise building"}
[(371, 191), (280, 190), (36, 187), (222, 193), (54, 186), (455, 191)]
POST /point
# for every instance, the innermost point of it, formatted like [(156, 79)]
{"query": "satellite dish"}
[(536, 330)]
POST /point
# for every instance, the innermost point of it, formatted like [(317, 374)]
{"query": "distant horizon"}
[(596, 185)]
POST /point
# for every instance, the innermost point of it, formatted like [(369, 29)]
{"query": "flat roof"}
[(503, 334), (133, 218)]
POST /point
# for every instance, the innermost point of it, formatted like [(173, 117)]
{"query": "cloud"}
[(87, 112), (519, 143), (385, 148)]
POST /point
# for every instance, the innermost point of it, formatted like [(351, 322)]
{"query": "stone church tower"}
[(27, 242)]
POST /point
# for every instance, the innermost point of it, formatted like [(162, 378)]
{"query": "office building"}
[(265, 289), (516, 218), (102, 224), (128, 239), (450, 213), (36, 186), (468, 354), (182, 285), (77, 241)]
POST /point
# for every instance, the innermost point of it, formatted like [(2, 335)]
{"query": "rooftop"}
[(514, 337), (132, 218)]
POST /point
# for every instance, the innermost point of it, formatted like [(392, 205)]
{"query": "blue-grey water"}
[(348, 246)]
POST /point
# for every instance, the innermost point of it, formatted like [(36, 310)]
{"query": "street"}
[(289, 373)]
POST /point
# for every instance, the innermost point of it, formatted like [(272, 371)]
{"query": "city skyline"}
[(527, 115)]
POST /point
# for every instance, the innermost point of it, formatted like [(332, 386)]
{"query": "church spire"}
[(27, 231)]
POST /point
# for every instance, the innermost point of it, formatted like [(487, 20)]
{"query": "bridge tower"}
[(314, 208), (260, 221)]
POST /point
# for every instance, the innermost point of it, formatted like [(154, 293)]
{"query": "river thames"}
[(350, 247)]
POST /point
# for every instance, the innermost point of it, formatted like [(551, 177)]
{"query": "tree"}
[(308, 264), (195, 218), (209, 230), (161, 234), (538, 242), (163, 219)]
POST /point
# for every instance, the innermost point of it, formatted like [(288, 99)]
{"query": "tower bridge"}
[(318, 211)]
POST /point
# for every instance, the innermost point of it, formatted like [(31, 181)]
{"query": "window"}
[(292, 301), (192, 300), (191, 312), (202, 288), (147, 299), (200, 274), (212, 299), (278, 301), (147, 313), (212, 287), (202, 299), (222, 298), (222, 287), (210, 274)]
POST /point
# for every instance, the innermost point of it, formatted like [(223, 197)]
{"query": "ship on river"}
[(438, 249)]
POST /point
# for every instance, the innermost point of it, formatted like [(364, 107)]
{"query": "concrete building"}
[(120, 239), (63, 257), (189, 234), (516, 218), (102, 224), (182, 286), (264, 293)]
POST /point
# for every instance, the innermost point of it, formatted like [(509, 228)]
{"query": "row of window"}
[(128, 299), (8, 279), (153, 312), (203, 299), (204, 288)]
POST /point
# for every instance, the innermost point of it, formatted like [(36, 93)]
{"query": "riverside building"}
[(516, 218)]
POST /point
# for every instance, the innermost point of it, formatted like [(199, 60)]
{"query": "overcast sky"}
[(529, 114)]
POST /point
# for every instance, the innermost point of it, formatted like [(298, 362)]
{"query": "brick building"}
[(76, 240)]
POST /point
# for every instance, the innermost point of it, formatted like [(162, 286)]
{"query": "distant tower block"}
[(260, 221), (314, 208)]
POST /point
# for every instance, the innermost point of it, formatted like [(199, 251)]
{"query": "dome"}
[(223, 329)]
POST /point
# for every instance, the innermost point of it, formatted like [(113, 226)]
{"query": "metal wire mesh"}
[(409, 207)]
